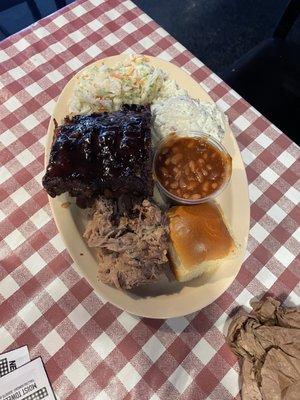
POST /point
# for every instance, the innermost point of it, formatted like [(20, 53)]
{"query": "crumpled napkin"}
[(268, 341)]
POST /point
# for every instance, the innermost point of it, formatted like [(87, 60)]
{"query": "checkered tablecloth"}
[(91, 349)]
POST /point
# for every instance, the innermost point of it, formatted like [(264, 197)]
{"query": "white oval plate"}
[(163, 299)]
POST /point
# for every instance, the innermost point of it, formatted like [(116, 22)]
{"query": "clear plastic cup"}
[(172, 197)]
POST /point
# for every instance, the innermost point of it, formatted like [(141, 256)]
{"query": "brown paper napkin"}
[(268, 342)]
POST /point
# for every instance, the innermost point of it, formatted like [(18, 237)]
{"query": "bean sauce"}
[(191, 168)]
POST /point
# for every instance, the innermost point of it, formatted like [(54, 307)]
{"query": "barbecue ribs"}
[(107, 153)]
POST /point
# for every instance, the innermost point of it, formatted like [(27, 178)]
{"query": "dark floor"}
[(218, 32)]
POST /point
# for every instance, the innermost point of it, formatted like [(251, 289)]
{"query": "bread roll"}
[(199, 240)]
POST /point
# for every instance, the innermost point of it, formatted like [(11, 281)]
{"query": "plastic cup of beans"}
[(191, 169)]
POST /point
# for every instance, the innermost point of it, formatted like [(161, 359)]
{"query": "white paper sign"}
[(13, 359), (29, 382)]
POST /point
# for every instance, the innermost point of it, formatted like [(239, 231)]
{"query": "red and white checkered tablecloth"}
[(93, 350)]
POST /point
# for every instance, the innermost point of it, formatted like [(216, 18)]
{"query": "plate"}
[(163, 299)]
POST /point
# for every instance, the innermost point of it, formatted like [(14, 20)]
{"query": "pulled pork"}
[(132, 247)]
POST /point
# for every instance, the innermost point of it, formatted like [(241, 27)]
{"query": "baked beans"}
[(190, 167)]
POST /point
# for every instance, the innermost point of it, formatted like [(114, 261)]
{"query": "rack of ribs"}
[(107, 153)]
